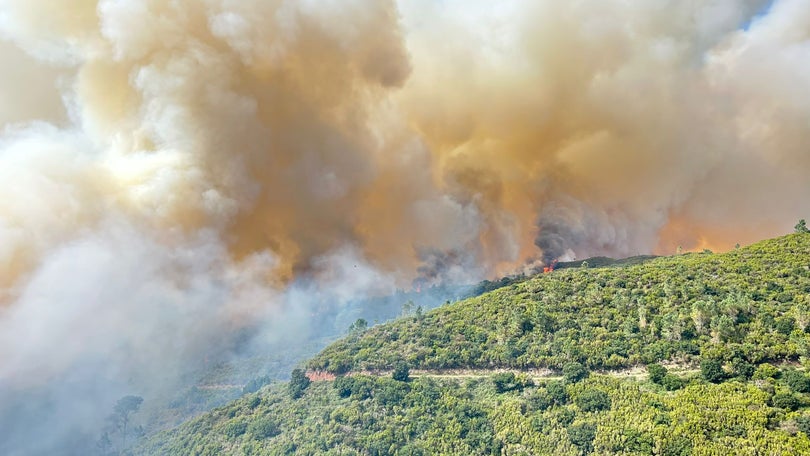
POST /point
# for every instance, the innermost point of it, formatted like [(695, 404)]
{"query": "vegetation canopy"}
[(696, 354)]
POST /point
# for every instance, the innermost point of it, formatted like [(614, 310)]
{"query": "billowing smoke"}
[(612, 127), (175, 173)]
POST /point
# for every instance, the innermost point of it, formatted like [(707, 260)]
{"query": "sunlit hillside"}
[(695, 354)]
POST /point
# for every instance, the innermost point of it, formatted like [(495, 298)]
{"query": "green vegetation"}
[(255, 384), (712, 370), (508, 381), (114, 438), (574, 372), (605, 415), (401, 372), (554, 365), (751, 304), (656, 372), (298, 383)]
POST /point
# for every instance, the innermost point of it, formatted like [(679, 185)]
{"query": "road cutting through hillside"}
[(539, 375)]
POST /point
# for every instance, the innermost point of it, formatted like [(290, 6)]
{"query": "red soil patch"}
[(320, 376)]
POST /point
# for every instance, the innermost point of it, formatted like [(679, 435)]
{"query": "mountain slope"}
[(731, 327), (751, 302)]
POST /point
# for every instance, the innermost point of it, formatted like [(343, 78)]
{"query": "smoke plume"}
[(175, 172)]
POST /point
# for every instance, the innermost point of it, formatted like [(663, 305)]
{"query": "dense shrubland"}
[(724, 339), (380, 416), (750, 305)]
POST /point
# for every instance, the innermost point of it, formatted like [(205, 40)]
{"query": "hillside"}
[(750, 303), (541, 367)]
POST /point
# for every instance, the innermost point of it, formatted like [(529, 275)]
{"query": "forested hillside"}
[(697, 354)]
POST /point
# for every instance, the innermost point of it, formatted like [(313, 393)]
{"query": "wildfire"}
[(550, 267)]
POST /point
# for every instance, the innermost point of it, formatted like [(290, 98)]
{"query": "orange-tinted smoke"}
[(438, 139)]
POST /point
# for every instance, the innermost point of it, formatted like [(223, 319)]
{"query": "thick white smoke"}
[(175, 173)]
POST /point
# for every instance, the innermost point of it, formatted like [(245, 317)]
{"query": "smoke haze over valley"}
[(183, 179)]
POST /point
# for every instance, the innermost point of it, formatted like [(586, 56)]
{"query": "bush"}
[(401, 372), (574, 372), (785, 401), (797, 381), (672, 382), (343, 386), (593, 400), (264, 428), (505, 381), (785, 325), (391, 393), (235, 428), (803, 423), (255, 384), (656, 372), (765, 371), (742, 369), (712, 370), (679, 446), (539, 401), (582, 435), (557, 392), (358, 387), (566, 416)]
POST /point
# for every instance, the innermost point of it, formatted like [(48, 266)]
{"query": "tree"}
[(401, 372), (801, 227), (638, 442), (574, 372), (104, 444), (298, 383), (118, 423), (358, 326), (408, 308), (723, 329)]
